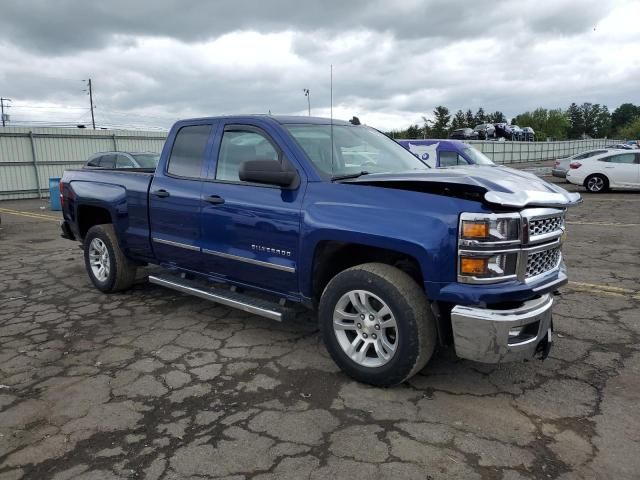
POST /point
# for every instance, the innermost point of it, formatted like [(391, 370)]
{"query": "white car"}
[(613, 169)]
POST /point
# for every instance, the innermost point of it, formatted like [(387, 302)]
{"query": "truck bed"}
[(124, 193)]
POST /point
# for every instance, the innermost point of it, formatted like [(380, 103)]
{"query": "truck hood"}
[(497, 185)]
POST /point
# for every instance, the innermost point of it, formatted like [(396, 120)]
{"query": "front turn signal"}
[(472, 229), (474, 266)]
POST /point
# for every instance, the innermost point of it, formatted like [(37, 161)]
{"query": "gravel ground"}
[(154, 384)]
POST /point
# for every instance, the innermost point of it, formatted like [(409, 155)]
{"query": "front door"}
[(174, 199), (250, 232)]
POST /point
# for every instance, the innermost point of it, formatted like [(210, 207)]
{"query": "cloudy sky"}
[(156, 61)]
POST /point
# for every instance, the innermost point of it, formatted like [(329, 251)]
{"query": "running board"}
[(256, 306)]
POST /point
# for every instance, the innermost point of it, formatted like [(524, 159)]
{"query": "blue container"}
[(54, 193)]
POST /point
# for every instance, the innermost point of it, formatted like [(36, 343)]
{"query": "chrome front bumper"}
[(496, 336)]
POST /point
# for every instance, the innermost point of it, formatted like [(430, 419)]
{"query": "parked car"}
[(561, 166), (485, 131), (145, 160), (395, 257), (528, 134), (622, 146), (517, 133), (446, 153), (464, 134), (611, 170), (503, 130)]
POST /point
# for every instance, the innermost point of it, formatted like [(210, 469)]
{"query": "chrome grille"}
[(541, 262), (542, 226)]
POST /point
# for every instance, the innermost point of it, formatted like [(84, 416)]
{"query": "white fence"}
[(30, 156), (515, 152)]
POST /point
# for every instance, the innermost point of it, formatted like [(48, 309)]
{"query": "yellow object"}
[(474, 266), (475, 229)]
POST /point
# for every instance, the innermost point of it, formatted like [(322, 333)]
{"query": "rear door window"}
[(122, 161), (108, 161), (187, 154)]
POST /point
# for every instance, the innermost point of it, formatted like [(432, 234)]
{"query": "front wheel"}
[(108, 268), (376, 324), (596, 183)]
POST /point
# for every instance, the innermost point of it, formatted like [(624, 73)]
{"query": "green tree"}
[(624, 116), (557, 125), (479, 117), (458, 120), (414, 131), (496, 117), (546, 123), (469, 119), (576, 121), (440, 126), (631, 131)]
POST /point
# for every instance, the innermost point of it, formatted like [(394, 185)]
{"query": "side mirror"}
[(271, 172)]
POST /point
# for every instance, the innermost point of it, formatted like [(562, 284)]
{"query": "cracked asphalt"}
[(158, 385)]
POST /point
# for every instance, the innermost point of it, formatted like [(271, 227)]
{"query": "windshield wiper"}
[(349, 175)]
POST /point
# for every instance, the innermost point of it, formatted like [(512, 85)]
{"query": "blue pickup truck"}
[(268, 214)]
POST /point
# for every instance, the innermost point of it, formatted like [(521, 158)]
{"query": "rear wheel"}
[(597, 183), (376, 324), (108, 268)]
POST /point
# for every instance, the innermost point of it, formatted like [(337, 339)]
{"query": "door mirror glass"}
[(270, 172)]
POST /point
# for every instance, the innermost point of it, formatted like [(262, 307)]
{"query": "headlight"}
[(488, 247), (491, 228)]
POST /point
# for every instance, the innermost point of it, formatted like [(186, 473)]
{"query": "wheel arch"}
[(331, 257)]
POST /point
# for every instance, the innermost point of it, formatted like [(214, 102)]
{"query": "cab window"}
[(187, 153)]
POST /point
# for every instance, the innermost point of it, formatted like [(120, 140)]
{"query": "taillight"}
[(61, 186), (575, 165)]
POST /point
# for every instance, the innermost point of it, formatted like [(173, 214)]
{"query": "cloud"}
[(154, 62)]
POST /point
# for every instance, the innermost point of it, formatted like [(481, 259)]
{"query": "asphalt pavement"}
[(154, 384)]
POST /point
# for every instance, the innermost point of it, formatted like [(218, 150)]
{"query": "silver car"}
[(561, 165)]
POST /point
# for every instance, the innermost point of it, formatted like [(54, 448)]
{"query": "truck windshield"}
[(478, 157), (356, 149), (147, 160)]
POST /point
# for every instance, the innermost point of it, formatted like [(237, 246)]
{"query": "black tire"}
[(596, 183), (416, 327), (122, 272)]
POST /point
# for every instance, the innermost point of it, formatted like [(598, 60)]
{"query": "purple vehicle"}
[(446, 153)]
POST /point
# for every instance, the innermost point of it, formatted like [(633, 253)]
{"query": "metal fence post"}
[(115, 143), (35, 164)]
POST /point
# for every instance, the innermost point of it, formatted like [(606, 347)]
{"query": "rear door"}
[(175, 198), (622, 170), (250, 232)]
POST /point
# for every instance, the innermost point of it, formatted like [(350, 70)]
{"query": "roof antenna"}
[(331, 128)]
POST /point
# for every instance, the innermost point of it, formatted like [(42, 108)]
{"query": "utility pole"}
[(2, 100), (307, 94), (90, 92)]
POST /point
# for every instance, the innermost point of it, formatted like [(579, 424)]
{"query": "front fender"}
[(421, 225)]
